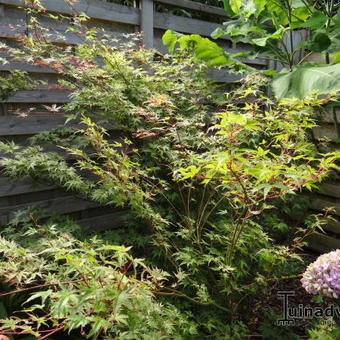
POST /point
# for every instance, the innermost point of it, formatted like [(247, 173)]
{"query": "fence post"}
[(3, 106), (147, 13)]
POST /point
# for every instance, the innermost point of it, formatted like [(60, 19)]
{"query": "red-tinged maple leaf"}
[(41, 63), (57, 87), (53, 108), (142, 133), (24, 114)]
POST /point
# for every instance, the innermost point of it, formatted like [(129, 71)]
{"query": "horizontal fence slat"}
[(15, 126), (325, 131), (220, 75), (195, 6), (39, 96), (27, 67), (256, 61), (10, 188), (104, 222), (93, 8), (15, 31), (320, 204), (185, 25), (330, 189), (223, 76), (322, 243), (49, 148), (328, 116), (63, 205), (333, 227)]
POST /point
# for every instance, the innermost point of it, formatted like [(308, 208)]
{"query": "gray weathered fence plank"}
[(104, 222), (325, 131), (15, 31), (330, 189), (333, 227), (319, 204), (15, 126), (322, 243), (39, 96), (93, 8), (66, 155), (185, 25), (195, 6), (161, 21), (223, 76), (328, 116), (63, 205), (32, 68), (9, 188)]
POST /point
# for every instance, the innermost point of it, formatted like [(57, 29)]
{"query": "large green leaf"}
[(300, 14), (235, 5), (304, 79), (204, 49), (320, 42), (316, 21), (278, 12), (240, 31), (336, 57), (260, 5), (170, 39), (228, 9), (245, 8), (276, 35)]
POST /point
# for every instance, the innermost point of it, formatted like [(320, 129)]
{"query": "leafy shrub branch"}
[(85, 284), (202, 169), (199, 182)]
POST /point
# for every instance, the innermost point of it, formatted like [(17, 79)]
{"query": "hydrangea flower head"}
[(322, 277)]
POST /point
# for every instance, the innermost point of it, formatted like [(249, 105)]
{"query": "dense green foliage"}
[(324, 329), (201, 170), (269, 27), (197, 184), (205, 50), (85, 284)]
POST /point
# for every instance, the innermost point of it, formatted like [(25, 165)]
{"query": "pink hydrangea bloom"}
[(322, 277)]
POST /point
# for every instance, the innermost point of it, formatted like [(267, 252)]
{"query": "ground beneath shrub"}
[(274, 303)]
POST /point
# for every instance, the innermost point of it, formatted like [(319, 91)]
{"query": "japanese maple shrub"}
[(197, 165)]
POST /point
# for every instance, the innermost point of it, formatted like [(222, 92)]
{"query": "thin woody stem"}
[(21, 290)]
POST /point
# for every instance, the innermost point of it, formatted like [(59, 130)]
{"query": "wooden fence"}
[(329, 194), (117, 20)]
